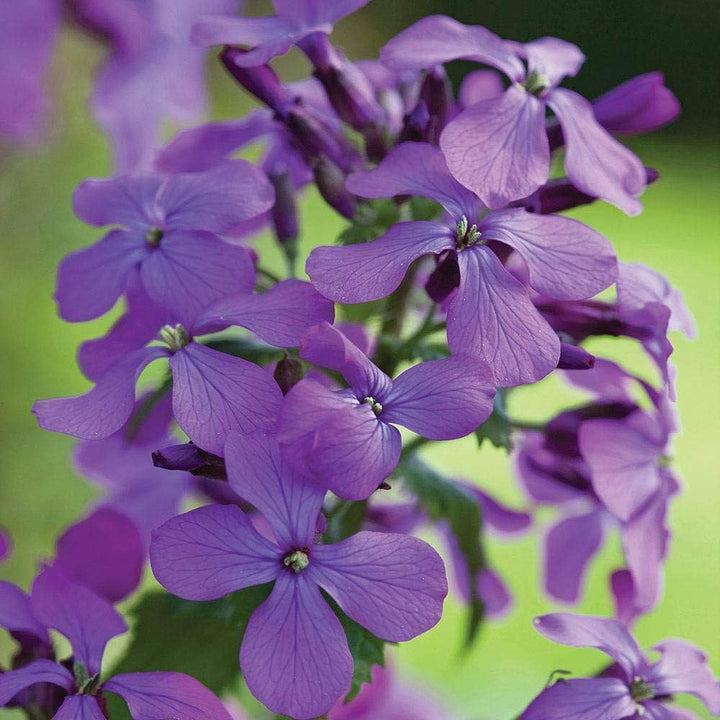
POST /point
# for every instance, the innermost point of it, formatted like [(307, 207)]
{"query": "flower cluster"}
[(456, 281)]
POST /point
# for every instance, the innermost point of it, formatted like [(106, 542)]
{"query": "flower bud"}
[(190, 458), (288, 373), (330, 181)]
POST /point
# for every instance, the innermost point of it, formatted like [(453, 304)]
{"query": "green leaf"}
[(445, 501), (373, 218), (246, 348), (201, 639), (345, 519), (424, 209), (497, 428)]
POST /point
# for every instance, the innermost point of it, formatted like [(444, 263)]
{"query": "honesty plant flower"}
[(499, 147), (88, 622), (393, 585), (633, 688), (213, 393), (491, 314), (170, 231), (271, 36), (344, 440)]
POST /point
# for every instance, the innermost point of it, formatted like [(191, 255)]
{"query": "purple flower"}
[(633, 687), (213, 393), (153, 73), (499, 147), (271, 36), (491, 314), (344, 440), (88, 621), (393, 585), (5, 544), (170, 227)]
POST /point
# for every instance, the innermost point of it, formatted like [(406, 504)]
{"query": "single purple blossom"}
[(634, 687), (392, 585), (268, 37), (345, 440), (499, 147), (88, 621), (491, 314), (213, 393), (170, 227)]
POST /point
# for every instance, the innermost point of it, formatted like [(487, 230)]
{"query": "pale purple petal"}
[(438, 39), (215, 394), (279, 316), (79, 707), (478, 86), (162, 695), (605, 634), (570, 545), (441, 399), (190, 270), (414, 168), (498, 517), (565, 258), (499, 148), (16, 613), (623, 463), (595, 162), (370, 271), (317, 11), (655, 710), (327, 347), (639, 105), (491, 315), (294, 657), (583, 699), (336, 441), (258, 473), (103, 552), (39, 671), (553, 58), (496, 598), (87, 620), (104, 409), (393, 585), (91, 280), (129, 200), (217, 200), (683, 668), (623, 594)]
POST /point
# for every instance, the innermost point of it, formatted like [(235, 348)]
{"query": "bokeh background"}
[(678, 234)]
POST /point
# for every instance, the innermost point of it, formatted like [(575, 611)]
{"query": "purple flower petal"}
[(5, 544), (492, 316), (623, 593), (553, 58), (210, 552), (499, 148), (279, 316), (498, 517), (217, 200), (87, 620), (565, 258), (258, 473), (605, 634), (79, 707), (103, 552), (657, 710), (595, 162), (683, 668), (190, 270), (104, 409), (639, 105), (361, 273), (318, 11), (570, 545), (39, 671), (336, 441), (583, 699), (478, 86), (327, 347), (161, 695), (438, 39), (215, 394), (16, 613), (492, 590), (393, 585), (414, 168), (92, 279), (623, 462), (294, 657), (441, 399)]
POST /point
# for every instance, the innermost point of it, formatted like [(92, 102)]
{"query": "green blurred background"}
[(677, 234)]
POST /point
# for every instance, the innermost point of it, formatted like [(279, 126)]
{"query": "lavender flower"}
[(499, 147), (491, 314), (391, 584), (344, 440), (633, 687)]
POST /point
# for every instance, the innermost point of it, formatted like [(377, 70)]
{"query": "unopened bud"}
[(330, 181), (573, 357), (188, 457), (288, 373), (444, 278)]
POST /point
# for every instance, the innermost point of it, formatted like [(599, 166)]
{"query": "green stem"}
[(523, 425), (264, 272), (414, 445)]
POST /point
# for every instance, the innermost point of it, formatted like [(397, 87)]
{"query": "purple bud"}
[(330, 181), (573, 357), (288, 373), (444, 278), (284, 212), (416, 124), (190, 458), (437, 96)]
